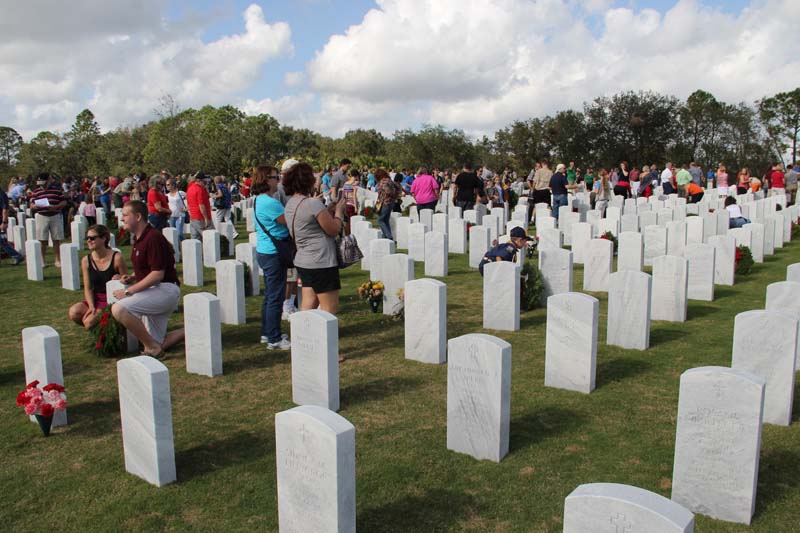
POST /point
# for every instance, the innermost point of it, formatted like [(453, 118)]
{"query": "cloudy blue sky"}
[(333, 65)]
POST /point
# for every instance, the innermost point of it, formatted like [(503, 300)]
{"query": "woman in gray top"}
[(314, 229)]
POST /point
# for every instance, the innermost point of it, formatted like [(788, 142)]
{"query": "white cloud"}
[(293, 78), (479, 65), (120, 70)]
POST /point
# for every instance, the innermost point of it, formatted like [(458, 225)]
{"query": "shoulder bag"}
[(286, 247), (347, 251)]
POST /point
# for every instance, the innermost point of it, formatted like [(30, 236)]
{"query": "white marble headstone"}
[(655, 243), (192, 255), (701, 271), (396, 270), (615, 508), (631, 251), (479, 243), (765, 344), (247, 255), (598, 263), (70, 267), (784, 296), (629, 297), (426, 321), (457, 236), (479, 396), (436, 254), (211, 252), (717, 442), (670, 285), (555, 265), (416, 241), (230, 291), (378, 249), (501, 296), (146, 412), (315, 451), (203, 336), (315, 358), (571, 342), (724, 258), (41, 354)]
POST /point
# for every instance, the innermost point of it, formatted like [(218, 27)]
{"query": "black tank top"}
[(99, 278)]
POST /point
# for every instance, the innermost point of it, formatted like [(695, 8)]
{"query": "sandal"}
[(160, 354)]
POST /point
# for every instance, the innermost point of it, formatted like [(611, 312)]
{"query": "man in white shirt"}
[(666, 175)]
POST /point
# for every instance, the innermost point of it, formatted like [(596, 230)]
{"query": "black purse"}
[(286, 247)]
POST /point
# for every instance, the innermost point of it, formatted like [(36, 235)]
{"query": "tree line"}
[(639, 127)]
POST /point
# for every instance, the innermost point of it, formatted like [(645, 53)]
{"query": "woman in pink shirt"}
[(425, 190), (722, 180)]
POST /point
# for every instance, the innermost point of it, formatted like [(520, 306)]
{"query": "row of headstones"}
[(476, 379)]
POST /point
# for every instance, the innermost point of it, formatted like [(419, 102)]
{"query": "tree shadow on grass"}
[(377, 389), (435, 510), (13, 376), (531, 319), (540, 424), (214, 454), (723, 291), (260, 358), (778, 473), (664, 334), (94, 419), (698, 310), (619, 369)]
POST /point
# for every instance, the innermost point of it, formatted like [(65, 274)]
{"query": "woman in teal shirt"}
[(270, 225)]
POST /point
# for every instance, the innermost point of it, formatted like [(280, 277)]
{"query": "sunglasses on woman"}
[(91, 237)]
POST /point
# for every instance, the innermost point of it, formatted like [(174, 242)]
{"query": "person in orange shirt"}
[(694, 192)]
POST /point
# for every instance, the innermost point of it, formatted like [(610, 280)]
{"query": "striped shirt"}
[(53, 195)]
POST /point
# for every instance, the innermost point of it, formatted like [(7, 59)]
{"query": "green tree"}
[(636, 127), (80, 155), (44, 153), (780, 116), (10, 145)]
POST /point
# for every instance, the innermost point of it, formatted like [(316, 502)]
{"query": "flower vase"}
[(44, 423), (374, 305)]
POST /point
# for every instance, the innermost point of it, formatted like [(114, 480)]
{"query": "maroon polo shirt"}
[(152, 251)]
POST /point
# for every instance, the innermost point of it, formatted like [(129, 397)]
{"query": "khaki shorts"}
[(291, 275), (49, 227), (154, 305)]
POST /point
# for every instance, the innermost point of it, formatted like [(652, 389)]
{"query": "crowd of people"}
[(298, 215)]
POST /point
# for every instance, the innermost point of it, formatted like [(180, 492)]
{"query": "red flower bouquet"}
[(43, 403)]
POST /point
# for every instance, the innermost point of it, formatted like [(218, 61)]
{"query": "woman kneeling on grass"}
[(99, 267)]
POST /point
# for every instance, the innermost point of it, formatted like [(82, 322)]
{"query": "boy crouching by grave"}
[(153, 291), (507, 251)]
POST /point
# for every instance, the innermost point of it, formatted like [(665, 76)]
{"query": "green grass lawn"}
[(407, 480)]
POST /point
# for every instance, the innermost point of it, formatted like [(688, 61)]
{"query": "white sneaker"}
[(284, 344), (265, 340)]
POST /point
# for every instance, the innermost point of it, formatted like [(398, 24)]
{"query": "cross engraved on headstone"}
[(718, 390), (622, 525), (473, 350), (303, 432)]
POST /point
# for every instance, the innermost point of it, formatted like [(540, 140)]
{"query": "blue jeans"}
[(7, 248), (738, 222), (177, 223), (274, 287), (159, 221), (383, 221), (558, 201)]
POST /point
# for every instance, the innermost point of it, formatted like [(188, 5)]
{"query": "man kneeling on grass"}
[(508, 250), (153, 291)]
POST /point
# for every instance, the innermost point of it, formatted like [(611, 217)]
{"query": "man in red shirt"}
[(776, 178), (199, 205), (153, 290), (157, 203)]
